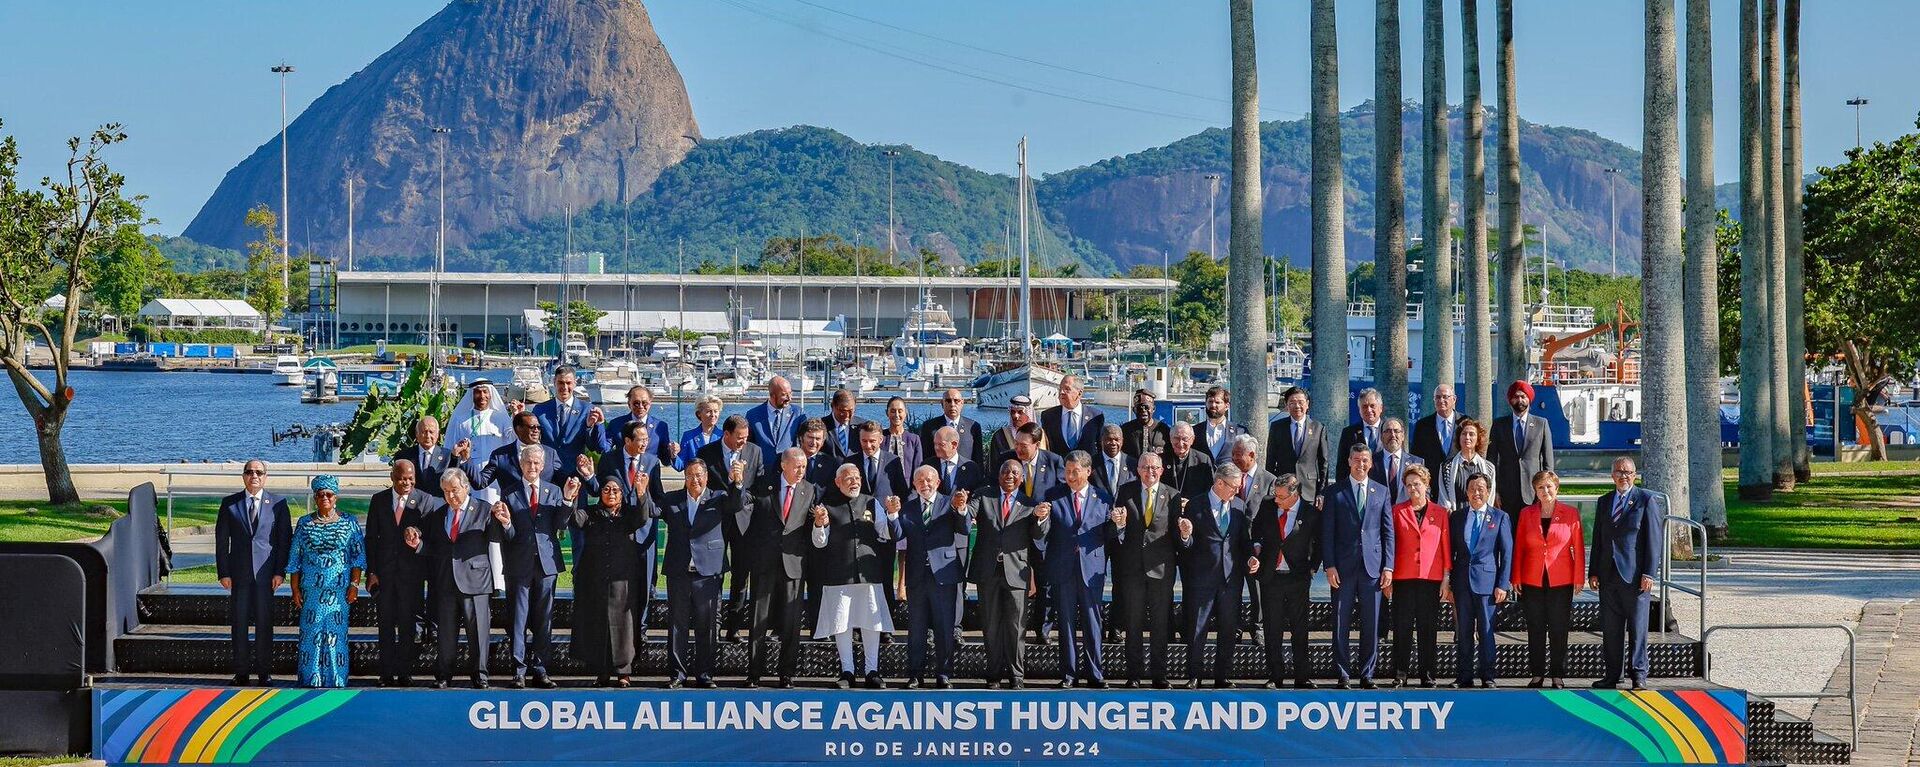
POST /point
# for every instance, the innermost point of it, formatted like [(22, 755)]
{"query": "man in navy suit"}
[(1213, 570), (934, 526), (1112, 468), (696, 562), (1075, 559), (1391, 461), (1626, 554), (820, 465), (1366, 432), (427, 455), (540, 514), (1434, 433), (956, 472), (882, 474), (570, 425), (1481, 571), (396, 574), (775, 424), (640, 409), (735, 446), (455, 534), (1357, 547), (1297, 445), (502, 466), (842, 439), (1215, 435), (1071, 425), (973, 445), (251, 539)]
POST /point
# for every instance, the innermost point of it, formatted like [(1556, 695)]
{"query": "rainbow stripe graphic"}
[(205, 726), (1684, 727)]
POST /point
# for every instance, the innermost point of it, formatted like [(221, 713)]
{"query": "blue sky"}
[(189, 78)]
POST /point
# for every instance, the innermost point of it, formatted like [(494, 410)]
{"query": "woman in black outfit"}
[(604, 577)]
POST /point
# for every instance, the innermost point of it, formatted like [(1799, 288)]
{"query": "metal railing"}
[(1853, 703), (1666, 567), (232, 476)]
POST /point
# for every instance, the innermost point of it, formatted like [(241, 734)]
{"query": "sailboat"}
[(1039, 383)]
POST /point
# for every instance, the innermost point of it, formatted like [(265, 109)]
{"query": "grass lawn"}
[(38, 761), (39, 522), (1841, 512)]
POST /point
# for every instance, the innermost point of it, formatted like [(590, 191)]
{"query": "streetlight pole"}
[(1613, 224), (1856, 103), (286, 235), (1213, 191), (891, 155), (440, 254)]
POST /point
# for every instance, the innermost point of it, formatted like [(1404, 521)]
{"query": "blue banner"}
[(291, 726)]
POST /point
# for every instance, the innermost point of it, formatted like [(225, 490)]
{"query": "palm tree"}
[(1329, 224), (1246, 264), (1478, 398), (1791, 146), (1756, 384), (1702, 290), (1776, 244), (1390, 215), (1663, 375), (1436, 330), (1513, 267)]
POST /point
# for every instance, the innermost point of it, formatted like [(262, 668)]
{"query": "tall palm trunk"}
[(1756, 382), (1478, 398), (1513, 267), (1702, 291), (1390, 215), (1436, 329), (1663, 370), (1246, 264), (1776, 243), (1329, 224), (1795, 175)]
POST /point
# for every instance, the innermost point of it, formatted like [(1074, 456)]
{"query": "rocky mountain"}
[(1136, 206), (548, 103)]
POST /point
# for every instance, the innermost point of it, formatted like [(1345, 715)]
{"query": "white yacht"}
[(287, 368), (929, 345)]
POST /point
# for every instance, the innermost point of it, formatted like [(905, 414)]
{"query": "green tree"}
[(129, 263), (55, 235), (581, 318), (263, 264)]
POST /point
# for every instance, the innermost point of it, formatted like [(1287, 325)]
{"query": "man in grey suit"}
[(1356, 542), (1009, 532), (456, 533), (251, 539), (1145, 560), (538, 516), (1297, 445), (1256, 486), (1626, 554), (1522, 447)]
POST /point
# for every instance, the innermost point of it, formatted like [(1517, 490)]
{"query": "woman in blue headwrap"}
[(329, 553)]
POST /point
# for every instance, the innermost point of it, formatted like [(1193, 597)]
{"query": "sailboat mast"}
[(1026, 263)]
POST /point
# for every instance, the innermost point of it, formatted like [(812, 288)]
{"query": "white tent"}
[(196, 313)]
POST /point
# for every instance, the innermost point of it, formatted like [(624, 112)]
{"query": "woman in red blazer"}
[(1549, 567), (1422, 550)]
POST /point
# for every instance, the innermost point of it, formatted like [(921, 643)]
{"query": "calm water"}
[(128, 417)]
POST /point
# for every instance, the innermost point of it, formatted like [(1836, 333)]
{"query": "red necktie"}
[(1283, 522), (454, 534), (1006, 509), (786, 503), (633, 472), (533, 499)]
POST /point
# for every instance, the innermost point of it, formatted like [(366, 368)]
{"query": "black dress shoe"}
[(1368, 684), (1271, 685), (1133, 684), (1488, 684), (1193, 684), (545, 683), (1536, 683), (753, 683), (943, 683), (480, 684), (439, 684), (993, 685), (1067, 683), (1222, 684), (675, 683), (405, 681), (874, 682), (265, 681), (913, 683), (386, 681), (1304, 684), (239, 680), (1559, 683), (1162, 684), (1343, 685), (707, 684), (1460, 684), (1605, 684), (1099, 684), (1639, 684), (846, 680), (1426, 682), (1018, 684), (786, 683), (518, 683), (1400, 681), (603, 682), (623, 682)]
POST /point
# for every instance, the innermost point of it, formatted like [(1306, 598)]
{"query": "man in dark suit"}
[(640, 410), (1356, 541), (934, 524), (1522, 446), (1005, 548), (1366, 432), (1297, 445), (775, 424), (973, 445), (396, 574), (1256, 486), (1286, 552), (1391, 461), (696, 562), (1626, 553), (1071, 425), (633, 460), (1478, 578), (455, 535), (1146, 433), (820, 464), (1040, 471), (956, 473), (251, 539), (1145, 561), (502, 466), (734, 447), (842, 440), (1213, 571), (1112, 469), (882, 474), (774, 537), (427, 455), (569, 423), (539, 514), (1189, 471), (1214, 436), (1433, 434), (1075, 563)]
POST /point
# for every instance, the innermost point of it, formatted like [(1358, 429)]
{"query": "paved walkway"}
[(1887, 687)]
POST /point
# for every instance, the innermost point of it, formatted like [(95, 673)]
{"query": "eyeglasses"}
[(1624, 472), (254, 472)]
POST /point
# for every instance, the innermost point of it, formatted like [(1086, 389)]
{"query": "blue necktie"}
[(1473, 529), (1446, 435)]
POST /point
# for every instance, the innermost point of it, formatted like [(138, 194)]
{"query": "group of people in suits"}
[(830, 521)]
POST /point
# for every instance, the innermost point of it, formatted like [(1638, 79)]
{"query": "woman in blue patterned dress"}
[(329, 553)]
